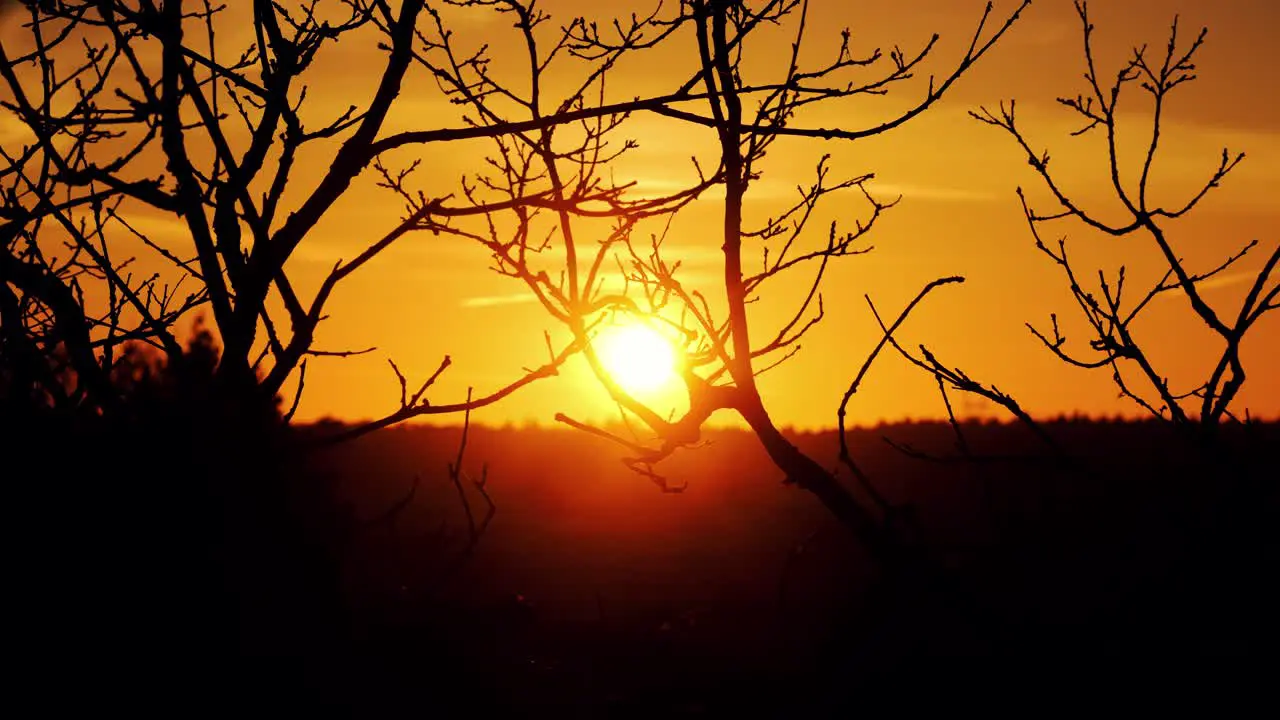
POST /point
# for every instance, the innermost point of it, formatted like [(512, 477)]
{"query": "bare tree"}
[(556, 219), (131, 112), (1110, 308)]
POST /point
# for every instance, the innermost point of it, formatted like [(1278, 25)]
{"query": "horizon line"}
[(535, 424)]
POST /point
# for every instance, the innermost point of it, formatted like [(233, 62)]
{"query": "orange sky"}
[(431, 296)]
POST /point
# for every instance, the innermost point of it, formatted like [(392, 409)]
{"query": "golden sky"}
[(431, 296)]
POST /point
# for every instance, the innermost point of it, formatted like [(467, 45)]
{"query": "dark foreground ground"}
[(1145, 570), (1141, 574)]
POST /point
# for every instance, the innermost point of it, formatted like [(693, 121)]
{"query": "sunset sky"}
[(432, 296)]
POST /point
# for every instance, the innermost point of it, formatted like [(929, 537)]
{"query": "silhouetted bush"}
[(181, 527)]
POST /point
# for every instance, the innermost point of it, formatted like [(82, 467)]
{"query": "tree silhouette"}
[(1110, 308), (553, 213), (132, 113)]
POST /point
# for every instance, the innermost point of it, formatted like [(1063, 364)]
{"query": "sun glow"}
[(639, 358)]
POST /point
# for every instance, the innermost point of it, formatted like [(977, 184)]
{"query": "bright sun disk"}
[(638, 357)]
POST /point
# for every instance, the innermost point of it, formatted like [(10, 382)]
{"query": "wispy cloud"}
[(158, 227), (654, 185), (1220, 281), (13, 130), (1228, 280), (930, 192), (484, 301)]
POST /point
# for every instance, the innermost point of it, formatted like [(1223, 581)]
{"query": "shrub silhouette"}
[(191, 535)]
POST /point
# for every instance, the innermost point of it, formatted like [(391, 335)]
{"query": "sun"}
[(638, 357)]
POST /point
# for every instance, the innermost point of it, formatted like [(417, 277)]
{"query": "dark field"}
[(1139, 571)]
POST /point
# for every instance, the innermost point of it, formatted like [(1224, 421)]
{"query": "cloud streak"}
[(931, 192), (1218, 282), (485, 301)]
